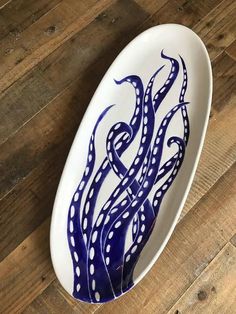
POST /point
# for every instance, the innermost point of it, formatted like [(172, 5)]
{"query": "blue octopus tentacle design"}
[(126, 181), (181, 98), (121, 146), (157, 100), (162, 92), (75, 238), (147, 226), (122, 222), (106, 243)]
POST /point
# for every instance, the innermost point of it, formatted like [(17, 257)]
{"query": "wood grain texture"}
[(54, 299), (151, 6), (231, 51), (188, 13), (212, 291), (218, 28), (51, 31), (17, 15), (233, 240), (40, 33), (26, 272), (41, 106), (33, 91)]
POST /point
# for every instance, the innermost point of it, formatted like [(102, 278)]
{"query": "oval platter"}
[(131, 164)]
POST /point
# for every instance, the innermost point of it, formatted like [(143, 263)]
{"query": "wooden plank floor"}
[(52, 56)]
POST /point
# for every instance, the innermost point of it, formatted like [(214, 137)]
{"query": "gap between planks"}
[(41, 53), (3, 3)]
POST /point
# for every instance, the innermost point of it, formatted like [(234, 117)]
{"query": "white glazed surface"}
[(141, 57)]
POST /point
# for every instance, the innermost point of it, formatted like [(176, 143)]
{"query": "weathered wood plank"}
[(231, 50), (12, 52), (215, 290), (212, 20), (151, 6), (45, 36), (54, 299), (27, 64), (17, 15), (50, 301), (3, 3), (26, 272), (22, 59), (224, 71), (27, 206), (50, 128), (46, 139), (233, 240), (187, 254), (218, 29), (187, 13), (32, 92)]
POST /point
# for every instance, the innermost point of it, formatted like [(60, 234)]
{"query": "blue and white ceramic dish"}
[(131, 164)]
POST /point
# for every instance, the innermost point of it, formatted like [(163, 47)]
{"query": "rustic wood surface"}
[(52, 56)]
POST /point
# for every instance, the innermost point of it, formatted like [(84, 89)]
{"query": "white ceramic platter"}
[(131, 164)]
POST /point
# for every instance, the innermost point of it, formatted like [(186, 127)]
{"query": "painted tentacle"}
[(132, 255), (137, 217), (166, 167), (175, 161), (171, 162), (162, 92), (146, 135), (112, 155), (136, 220), (119, 227), (147, 226), (144, 168), (181, 99), (121, 145), (147, 132), (116, 164), (165, 88), (75, 239), (103, 170), (135, 227), (120, 171), (157, 99), (136, 119), (160, 193)]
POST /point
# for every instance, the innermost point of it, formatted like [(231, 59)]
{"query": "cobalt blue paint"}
[(103, 268)]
